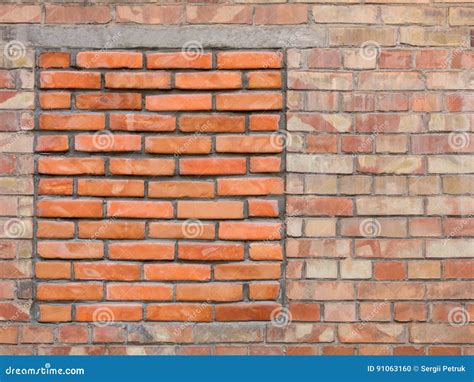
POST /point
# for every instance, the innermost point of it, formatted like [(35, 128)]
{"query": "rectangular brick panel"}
[(155, 183)]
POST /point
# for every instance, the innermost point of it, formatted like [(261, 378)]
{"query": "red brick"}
[(251, 186), (73, 334), (53, 270), (324, 58), (52, 143), (142, 122), (219, 14), (110, 187), (149, 14), (263, 208), (17, 13), (264, 80), (140, 209), (264, 291), (109, 60), (211, 123), (108, 312), (70, 80), (69, 208), (179, 312), (181, 189), (249, 231), (139, 292), (98, 143), (210, 252), (70, 291), (247, 271), (212, 166), (191, 230), (209, 292), (141, 251), (389, 271), (208, 80), (431, 59), (106, 271), (111, 230), (265, 164), (263, 122), (210, 210), (249, 101), (104, 101), (179, 60), (248, 144), (54, 313), (178, 145), (249, 60), (144, 167), (55, 186), (122, 80), (70, 250), (70, 166), (52, 121), (55, 100), (177, 272), (176, 102), (55, 230), (265, 251), (395, 59), (245, 312)]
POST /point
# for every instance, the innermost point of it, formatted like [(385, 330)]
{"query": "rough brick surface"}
[(370, 251)]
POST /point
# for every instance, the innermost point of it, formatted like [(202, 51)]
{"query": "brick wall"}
[(376, 247)]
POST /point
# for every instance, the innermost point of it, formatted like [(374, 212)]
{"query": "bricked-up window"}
[(160, 192)]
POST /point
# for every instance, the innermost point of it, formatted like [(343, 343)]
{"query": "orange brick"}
[(191, 230), (109, 312), (70, 250), (69, 80), (69, 291), (247, 271), (181, 189), (142, 122), (178, 145), (176, 272), (179, 60), (54, 313), (55, 186), (70, 166), (109, 60), (250, 186), (47, 229), (265, 164), (54, 60), (249, 231), (103, 101), (111, 230), (117, 142), (264, 122), (249, 60), (210, 252), (179, 312), (106, 271), (139, 209), (210, 210), (53, 270), (110, 187), (264, 291), (263, 208), (132, 80), (138, 292), (52, 121), (248, 144), (141, 251), (265, 251), (209, 292), (245, 312), (177, 102), (211, 123), (55, 100), (249, 101), (52, 143), (77, 14), (52, 208), (144, 167), (208, 80), (212, 166), (264, 80)]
